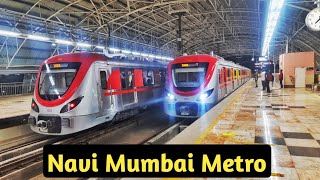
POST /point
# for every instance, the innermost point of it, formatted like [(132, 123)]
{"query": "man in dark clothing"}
[(281, 78), (268, 79)]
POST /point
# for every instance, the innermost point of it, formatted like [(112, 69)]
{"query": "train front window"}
[(54, 82), (188, 78)]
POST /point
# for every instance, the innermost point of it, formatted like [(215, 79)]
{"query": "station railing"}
[(11, 89)]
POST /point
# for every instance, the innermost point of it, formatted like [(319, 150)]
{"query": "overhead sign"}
[(262, 58), (262, 63)]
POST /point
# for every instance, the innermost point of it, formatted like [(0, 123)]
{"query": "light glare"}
[(273, 16)]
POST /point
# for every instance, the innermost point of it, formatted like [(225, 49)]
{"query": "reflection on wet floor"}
[(287, 119)]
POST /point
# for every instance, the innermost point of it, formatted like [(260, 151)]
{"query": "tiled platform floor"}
[(288, 119), (14, 106)]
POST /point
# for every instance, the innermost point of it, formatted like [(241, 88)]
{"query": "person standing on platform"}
[(263, 79), (268, 79), (281, 78), (256, 78)]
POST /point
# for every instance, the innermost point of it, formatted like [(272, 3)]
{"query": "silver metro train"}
[(80, 90), (195, 83)]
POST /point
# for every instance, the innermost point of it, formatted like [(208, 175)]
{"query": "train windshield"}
[(54, 82), (188, 78)]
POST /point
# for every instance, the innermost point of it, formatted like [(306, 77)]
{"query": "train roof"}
[(208, 58), (89, 58)]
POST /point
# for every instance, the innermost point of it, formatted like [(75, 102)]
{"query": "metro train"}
[(195, 83), (77, 91)]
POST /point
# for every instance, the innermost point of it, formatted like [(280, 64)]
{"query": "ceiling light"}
[(83, 45), (39, 38), (126, 51), (100, 47), (275, 7), (9, 33), (136, 53), (114, 49), (60, 41)]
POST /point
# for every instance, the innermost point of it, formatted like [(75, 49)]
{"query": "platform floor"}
[(287, 119), (15, 106)]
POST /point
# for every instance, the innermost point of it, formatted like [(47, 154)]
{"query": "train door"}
[(102, 74), (225, 81), (129, 95), (232, 79)]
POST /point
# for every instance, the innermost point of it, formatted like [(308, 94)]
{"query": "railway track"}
[(26, 164), (25, 161)]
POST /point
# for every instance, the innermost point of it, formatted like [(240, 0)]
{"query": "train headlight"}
[(170, 96), (71, 105), (205, 95), (34, 106)]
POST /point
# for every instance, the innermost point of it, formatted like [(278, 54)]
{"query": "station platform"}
[(13, 106), (287, 119)]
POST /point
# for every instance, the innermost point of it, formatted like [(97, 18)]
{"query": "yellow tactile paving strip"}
[(14, 106)]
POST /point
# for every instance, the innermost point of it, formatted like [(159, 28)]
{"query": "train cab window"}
[(103, 79), (148, 77), (188, 78), (54, 81)]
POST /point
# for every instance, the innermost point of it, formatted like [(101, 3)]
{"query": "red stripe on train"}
[(118, 91)]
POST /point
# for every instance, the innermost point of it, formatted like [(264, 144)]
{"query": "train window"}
[(148, 77), (103, 79), (130, 79), (235, 74), (123, 78), (127, 78)]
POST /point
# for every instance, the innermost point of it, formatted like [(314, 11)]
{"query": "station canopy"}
[(233, 29)]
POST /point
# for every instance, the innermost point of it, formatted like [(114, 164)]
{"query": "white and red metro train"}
[(195, 83), (80, 90)]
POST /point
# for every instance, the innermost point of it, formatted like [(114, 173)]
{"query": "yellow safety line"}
[(208, 130)]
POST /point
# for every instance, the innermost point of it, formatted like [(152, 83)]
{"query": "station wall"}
[(289, 61)]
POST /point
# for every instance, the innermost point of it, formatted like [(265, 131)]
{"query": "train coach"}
[(195, 83), (77, 91)]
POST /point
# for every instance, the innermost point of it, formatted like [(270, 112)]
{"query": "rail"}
[(11, 89)]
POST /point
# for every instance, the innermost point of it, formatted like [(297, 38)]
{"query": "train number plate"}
[(185, 110)]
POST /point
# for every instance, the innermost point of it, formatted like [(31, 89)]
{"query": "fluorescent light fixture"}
[(126, 51), (158, 57), (273, 16), (83, 45), (114, 49), (9, 33), (39, 38), (145, 55), (100, 47), (136, 53), (60, 41), (152, 56)]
